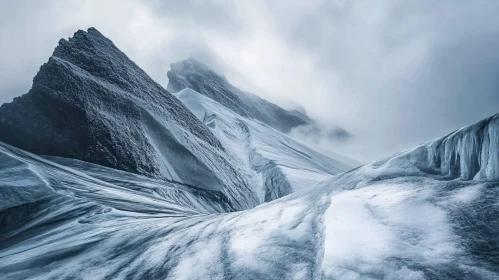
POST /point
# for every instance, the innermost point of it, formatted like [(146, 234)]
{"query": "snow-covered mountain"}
[(195, 75), (91, 102), (426, 213), (112, 177), (283, 165)]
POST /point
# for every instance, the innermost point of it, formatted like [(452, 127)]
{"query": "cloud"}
[(393, 73), (398, 74), (320, 135)]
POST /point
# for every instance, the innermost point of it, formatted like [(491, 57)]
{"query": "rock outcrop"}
[(91, 102)]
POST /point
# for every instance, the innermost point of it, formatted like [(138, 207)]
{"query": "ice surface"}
[(469, 153)]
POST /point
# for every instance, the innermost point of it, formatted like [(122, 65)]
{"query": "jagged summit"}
[(95, 66), (93, 52), (91, 102)]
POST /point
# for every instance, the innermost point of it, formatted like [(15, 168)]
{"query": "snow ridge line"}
[(275, 182)]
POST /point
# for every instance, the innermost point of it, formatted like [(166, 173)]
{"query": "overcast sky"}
[(393, 73)]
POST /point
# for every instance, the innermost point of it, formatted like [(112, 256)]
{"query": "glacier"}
[(105, 175)]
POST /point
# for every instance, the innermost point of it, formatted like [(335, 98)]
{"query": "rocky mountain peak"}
[(91, 102)]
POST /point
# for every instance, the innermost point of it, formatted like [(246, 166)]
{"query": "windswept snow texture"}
[(427, 213), (283, 164), (386, 220), (66, 219), (192, 74), (90, 102)]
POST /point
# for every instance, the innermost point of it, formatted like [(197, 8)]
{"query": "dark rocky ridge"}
[(193, 74), (197, 76), (92, 103)]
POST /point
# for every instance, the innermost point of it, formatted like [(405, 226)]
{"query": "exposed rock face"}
[(91, 102)]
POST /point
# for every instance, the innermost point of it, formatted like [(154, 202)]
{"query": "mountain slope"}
[(385, 220), (197, 76), (430, 212), (283, 164), (92, 103), (192, 74), (67, 224), (426, 213)]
